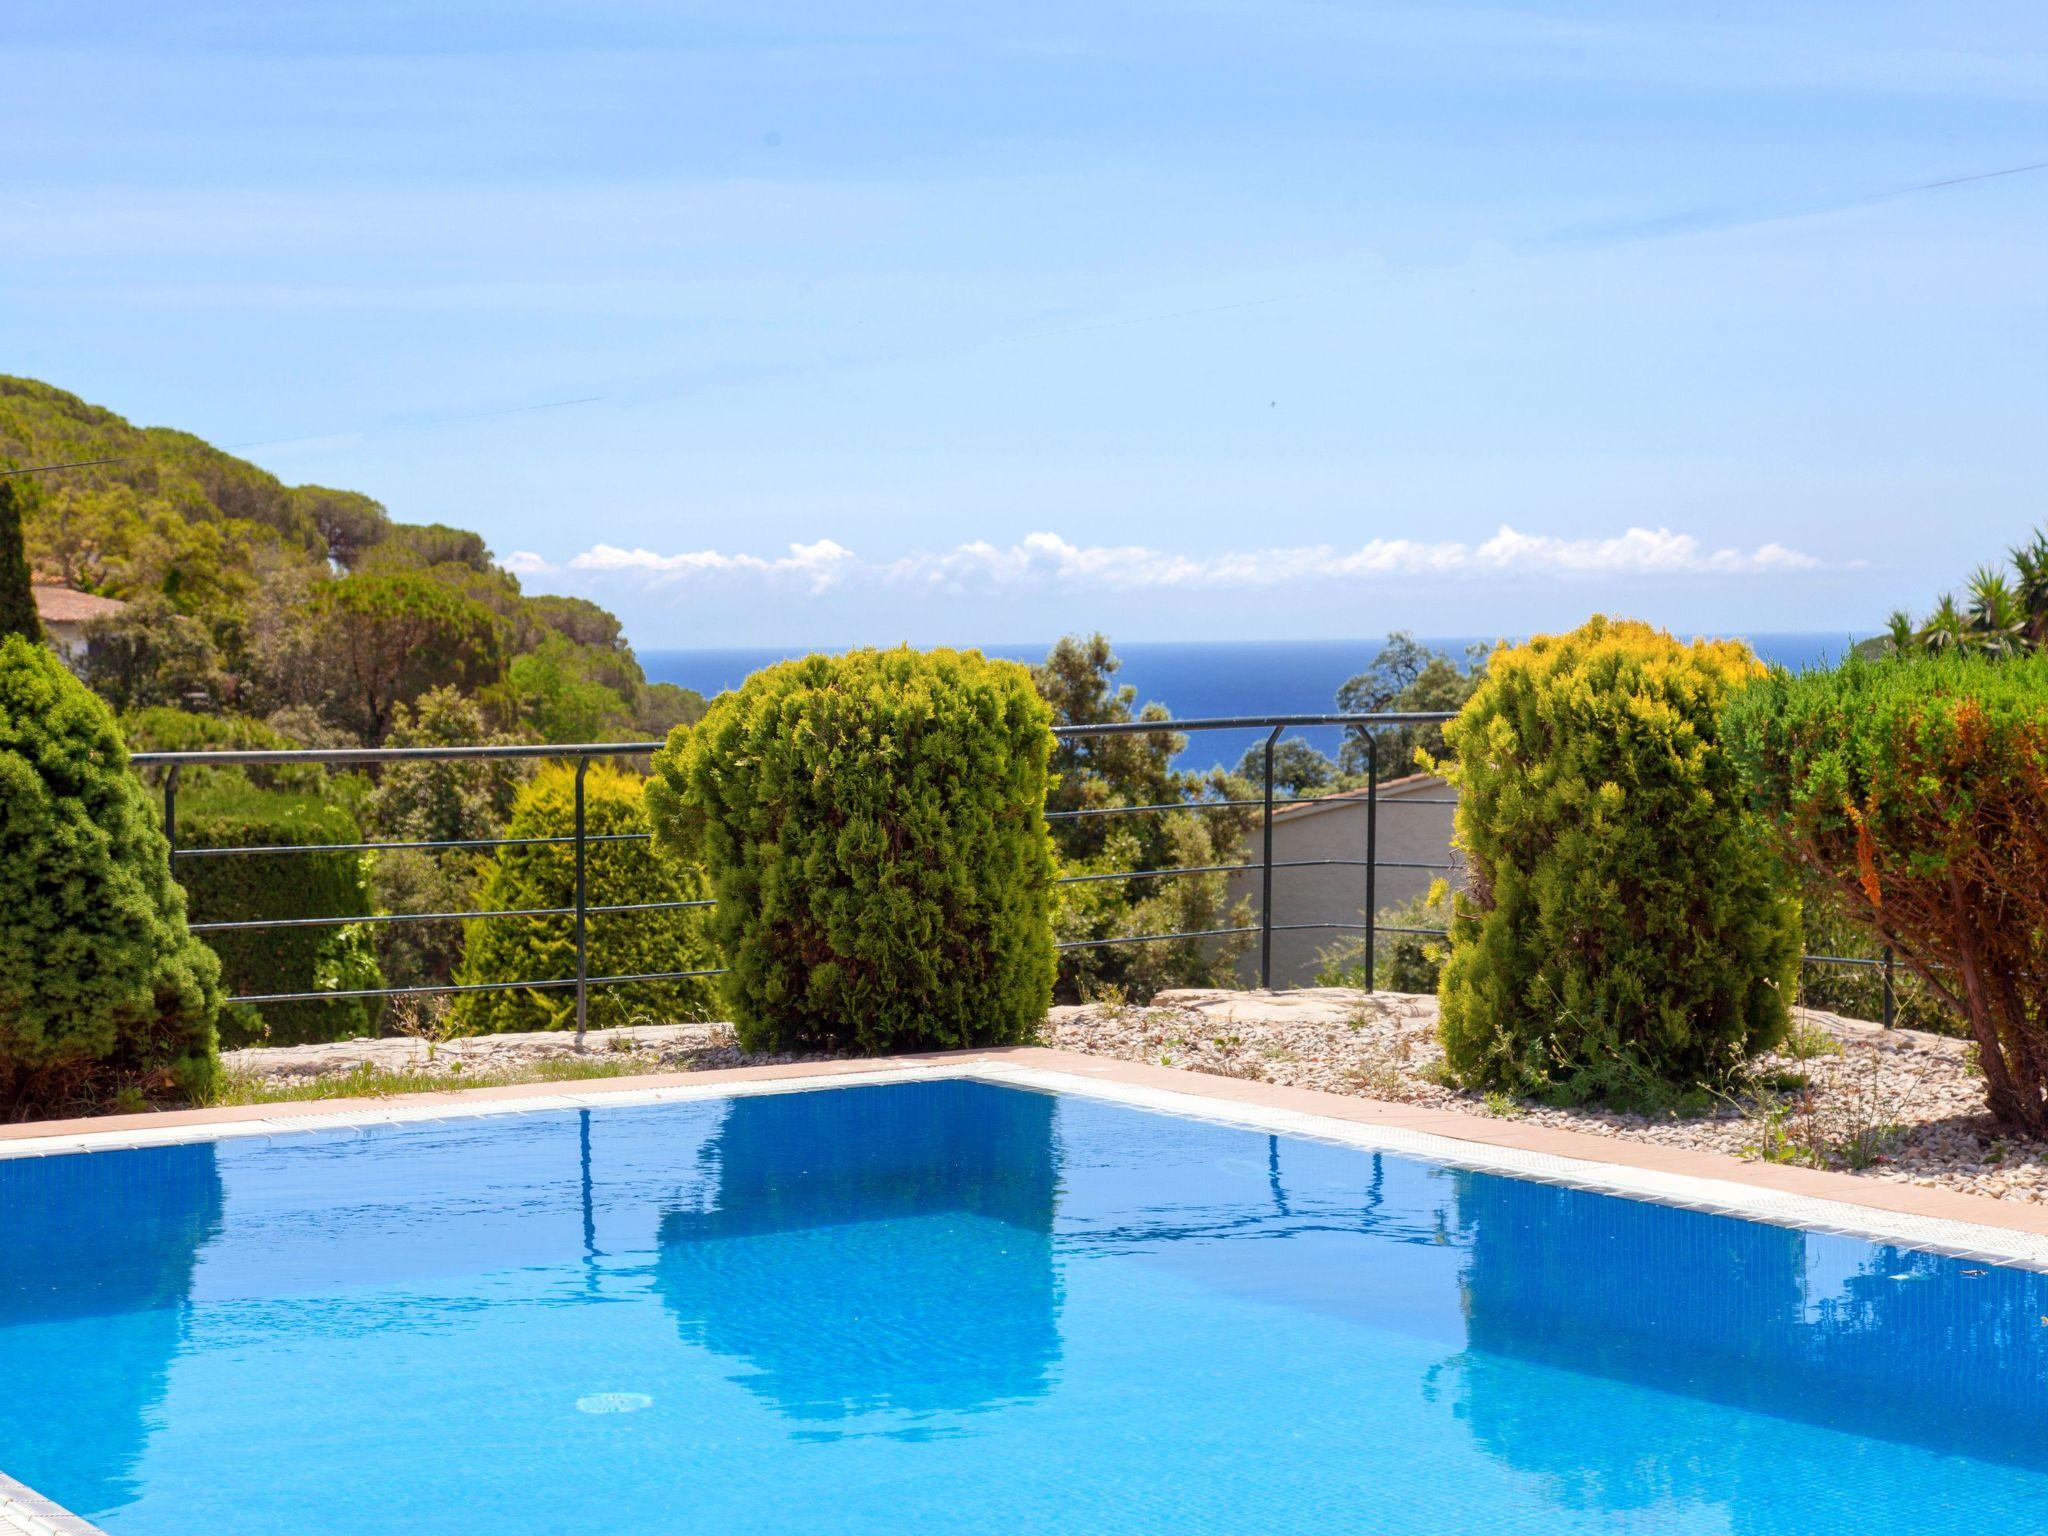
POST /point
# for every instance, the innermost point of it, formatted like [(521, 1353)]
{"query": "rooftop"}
[(61, 605)]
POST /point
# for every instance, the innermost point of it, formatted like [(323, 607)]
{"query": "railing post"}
[(1889, 999), (171, 813), (582, 948), (1372, 859), (1266, 874)]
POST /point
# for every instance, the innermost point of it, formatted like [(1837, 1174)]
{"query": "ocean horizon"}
[(1205, 679)]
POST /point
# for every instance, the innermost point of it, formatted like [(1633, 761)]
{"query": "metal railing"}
[(1267, 804)]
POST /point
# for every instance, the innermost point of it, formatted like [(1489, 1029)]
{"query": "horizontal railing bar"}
[(1152, 938), (278, 756), (1170, 805), (427, 844), (244, 924), (469, 986), (1156, 874), (619, 981), (429, 991), (1253, 722)]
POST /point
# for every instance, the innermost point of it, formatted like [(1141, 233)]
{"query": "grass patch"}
[(370, 1082)]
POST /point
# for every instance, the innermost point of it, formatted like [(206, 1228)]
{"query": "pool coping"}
[(24, 1512), (1944, 1221)]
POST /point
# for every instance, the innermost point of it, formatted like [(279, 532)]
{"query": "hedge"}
[(224, 812), (873, 827), (499, 949), (1917, 788), (1627, 933), (103, 993)]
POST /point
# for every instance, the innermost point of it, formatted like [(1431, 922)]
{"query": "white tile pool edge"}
[(1726, 1197), (24, 1512), (1721, 1197)]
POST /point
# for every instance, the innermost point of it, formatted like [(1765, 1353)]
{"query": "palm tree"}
[(2030, 568), (1900, 634), (1945, 629), (1996, 622)]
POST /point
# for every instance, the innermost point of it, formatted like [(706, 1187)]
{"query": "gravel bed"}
[(1887, 1104), (644, 1048)]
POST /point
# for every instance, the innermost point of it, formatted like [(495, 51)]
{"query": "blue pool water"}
[(951, 1306)]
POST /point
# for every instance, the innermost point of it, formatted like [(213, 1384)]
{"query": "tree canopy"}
[(248, 596)]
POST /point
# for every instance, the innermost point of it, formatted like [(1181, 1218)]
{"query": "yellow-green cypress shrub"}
[(873, 828), (1627, 934), (543, 876), (103, 991)]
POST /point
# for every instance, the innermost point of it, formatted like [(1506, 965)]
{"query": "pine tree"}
[(17, 602)]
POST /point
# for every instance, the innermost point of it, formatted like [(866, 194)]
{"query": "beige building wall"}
[(1414, 828)]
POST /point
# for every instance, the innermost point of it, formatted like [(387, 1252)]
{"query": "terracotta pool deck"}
[(1977, 1225)]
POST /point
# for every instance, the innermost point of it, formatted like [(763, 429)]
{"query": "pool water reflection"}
[(972, 1308)]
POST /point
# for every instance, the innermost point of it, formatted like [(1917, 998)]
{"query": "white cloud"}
[(820, 564), (1049, 561)]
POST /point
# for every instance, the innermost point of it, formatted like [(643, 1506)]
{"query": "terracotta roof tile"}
[(61, 605)]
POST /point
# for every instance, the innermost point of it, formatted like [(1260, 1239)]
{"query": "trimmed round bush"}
[(223, 810), (1627, 935), (873, 828), (616, 943), (1916, 790), (103, 992)]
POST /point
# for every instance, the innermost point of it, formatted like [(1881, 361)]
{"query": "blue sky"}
[(954, 323)]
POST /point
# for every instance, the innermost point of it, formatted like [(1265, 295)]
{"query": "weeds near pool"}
[(1806, 1041), (428, 1020), (370, 1082), (1790, 1128), (1501, 1106), (1113, 1003), (1378, 1077)]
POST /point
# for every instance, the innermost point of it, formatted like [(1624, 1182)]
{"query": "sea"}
[(1208, 679)]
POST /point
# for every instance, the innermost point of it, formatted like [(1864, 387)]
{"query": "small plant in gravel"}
[(1378, 1077), (1793, 1127), (429, 1020), (1807, 1041)]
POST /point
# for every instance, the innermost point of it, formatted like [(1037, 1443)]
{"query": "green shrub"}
[(102, 990), (873, 826), (1917, 789), (226, 813), (617, 943), (1405, 962), (1626, 933)]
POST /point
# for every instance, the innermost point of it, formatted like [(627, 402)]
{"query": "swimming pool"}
[(959, 1306)]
